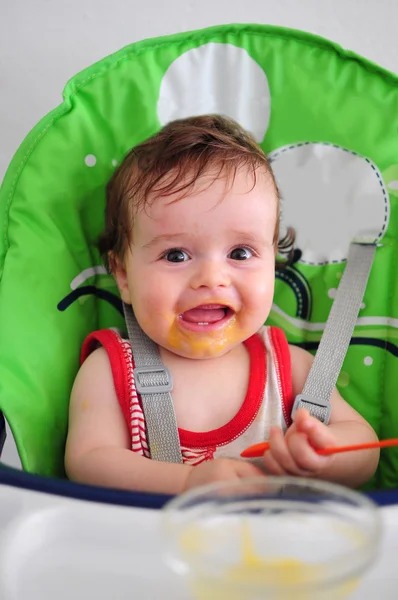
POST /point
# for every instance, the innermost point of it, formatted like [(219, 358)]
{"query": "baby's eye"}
[(241, 253), (176, 255)]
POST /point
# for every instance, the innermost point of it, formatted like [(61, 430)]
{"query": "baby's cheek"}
[(150, 310), (257, 307), (155, 320)]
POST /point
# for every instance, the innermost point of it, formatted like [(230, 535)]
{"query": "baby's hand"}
[(294, 453), (220, 469)]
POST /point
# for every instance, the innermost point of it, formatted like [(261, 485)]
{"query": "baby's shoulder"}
[(95, 363), (93, 382), (111, 340)]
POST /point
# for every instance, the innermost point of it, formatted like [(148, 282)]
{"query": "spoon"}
[(258, 449)]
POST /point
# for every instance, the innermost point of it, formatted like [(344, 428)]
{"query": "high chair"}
[(328, 120)]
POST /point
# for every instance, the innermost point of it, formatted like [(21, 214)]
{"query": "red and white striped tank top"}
[(268, 399)]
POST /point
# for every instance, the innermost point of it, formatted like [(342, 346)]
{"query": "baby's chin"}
[(202, 353), (203, 348)]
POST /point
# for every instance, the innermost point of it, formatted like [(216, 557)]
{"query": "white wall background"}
[(45, 42)]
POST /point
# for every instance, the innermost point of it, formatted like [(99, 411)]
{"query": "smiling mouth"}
[(206, 317)]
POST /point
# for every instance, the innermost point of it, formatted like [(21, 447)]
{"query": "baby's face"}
[(200, 271)]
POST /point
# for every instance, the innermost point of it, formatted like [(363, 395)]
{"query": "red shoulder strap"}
[(119, 360), (282, 357)]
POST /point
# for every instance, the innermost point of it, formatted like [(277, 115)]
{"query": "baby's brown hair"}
[(171, 161)]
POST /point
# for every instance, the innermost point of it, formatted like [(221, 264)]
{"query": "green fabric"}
[(52, 203)]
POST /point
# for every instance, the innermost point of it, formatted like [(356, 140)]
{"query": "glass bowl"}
[(271, 537)]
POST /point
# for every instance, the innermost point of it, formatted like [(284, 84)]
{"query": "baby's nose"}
[(210, 274)]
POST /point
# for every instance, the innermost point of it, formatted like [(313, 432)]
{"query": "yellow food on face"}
[(206, 344)]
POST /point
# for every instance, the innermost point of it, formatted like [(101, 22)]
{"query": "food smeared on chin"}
[(205, 330)]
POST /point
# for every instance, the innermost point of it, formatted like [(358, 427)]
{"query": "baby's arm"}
[(98, 444), (294, 453)]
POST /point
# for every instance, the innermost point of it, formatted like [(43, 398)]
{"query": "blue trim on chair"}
[(70, 489), (3, 434), (62, 487), (384, 497)]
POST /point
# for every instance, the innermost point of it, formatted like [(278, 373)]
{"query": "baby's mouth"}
[(206, 316)]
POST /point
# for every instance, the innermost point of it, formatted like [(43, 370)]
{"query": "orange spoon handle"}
[(258, 450), (255, 451)]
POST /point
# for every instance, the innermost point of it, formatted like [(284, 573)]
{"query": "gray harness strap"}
[(336, 338), (154, 383)]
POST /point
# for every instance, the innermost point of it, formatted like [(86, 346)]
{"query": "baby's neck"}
[(172, 358)]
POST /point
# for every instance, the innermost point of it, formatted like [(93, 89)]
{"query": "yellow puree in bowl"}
[(265, 578)]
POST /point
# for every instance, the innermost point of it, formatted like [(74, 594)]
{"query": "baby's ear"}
[(119, 272)]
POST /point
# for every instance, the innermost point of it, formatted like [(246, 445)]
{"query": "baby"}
[(191, 237)]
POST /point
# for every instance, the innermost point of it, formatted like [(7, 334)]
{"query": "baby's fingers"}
[(318, 434), (271, 466), (305, 454), (279, 460)]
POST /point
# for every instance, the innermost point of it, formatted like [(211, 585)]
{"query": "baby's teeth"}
[(202, 323)]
